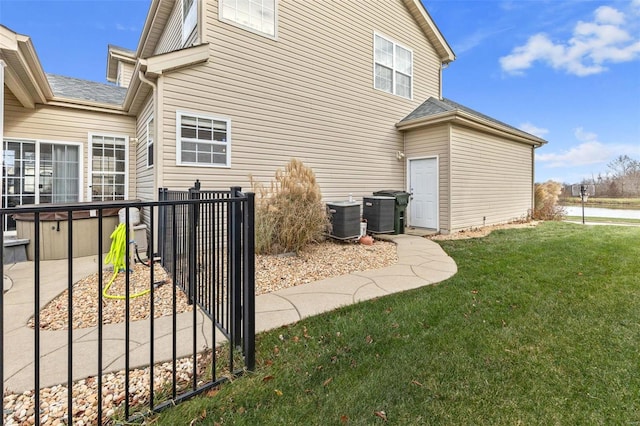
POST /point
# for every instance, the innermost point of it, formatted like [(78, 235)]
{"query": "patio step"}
[(15, 250)]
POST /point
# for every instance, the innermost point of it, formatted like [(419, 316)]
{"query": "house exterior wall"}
[(54, 123), (145, 185), (433, 142), (491, 179), (125, 72), (309, 94), (171, 38)]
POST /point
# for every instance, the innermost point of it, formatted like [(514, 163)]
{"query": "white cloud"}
[(609, 15), (593, 44), (534, 130), (586, 153), (589, 151), (121, 27), (477, 38)]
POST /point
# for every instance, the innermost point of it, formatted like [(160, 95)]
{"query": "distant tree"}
[(622, 169)]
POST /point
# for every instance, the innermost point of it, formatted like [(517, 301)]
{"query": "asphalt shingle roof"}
[(433, 106), (75, 88)]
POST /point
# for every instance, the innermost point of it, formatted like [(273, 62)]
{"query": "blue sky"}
[(568, 71)]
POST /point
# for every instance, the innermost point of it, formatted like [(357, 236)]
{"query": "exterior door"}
[(423, 185)]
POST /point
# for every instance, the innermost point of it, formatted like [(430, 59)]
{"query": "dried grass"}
[(289, 212), (546, 201)]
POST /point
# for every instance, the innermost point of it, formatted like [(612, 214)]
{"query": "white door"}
[(423, 185)]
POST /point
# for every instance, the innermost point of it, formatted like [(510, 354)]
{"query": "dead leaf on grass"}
[(381, 414), (326, 382), (417, 383)]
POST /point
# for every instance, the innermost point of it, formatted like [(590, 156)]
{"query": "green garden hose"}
[(116, 256)]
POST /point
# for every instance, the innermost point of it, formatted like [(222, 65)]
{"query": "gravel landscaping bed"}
[(316, 262)]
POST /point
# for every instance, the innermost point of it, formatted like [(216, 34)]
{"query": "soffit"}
[(431, 30), (154, 25)]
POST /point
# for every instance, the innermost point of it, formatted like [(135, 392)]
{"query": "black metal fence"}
[(205, 242)]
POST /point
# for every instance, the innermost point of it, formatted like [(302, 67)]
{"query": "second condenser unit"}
[(378, 211)]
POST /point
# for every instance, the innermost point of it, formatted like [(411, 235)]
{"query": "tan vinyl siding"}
[(54, 123), (431, 142), (145, 187), (125, 73), (171, 38), (490, 178), (309, 94)]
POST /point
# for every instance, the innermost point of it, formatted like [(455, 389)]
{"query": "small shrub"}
[(290, 212), (546, 201)]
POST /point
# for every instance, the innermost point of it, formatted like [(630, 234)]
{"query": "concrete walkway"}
[(421, 262)]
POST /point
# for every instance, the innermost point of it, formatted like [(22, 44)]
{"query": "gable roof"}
[(434, 111), (431, 30), (85, 90), (117, 54)]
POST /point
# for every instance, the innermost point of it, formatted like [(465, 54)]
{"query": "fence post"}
[(194, 194), (163, 227), (249, 274), (236, 265)]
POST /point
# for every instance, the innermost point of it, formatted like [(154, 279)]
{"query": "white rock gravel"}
[(314, 263)]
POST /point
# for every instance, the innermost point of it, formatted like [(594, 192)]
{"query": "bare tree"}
[(622, 169)]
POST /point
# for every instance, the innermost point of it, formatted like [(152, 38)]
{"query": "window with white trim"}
[(203, 140), (393, 67), (255, 15), (108, 167), (189, 18), (150, 139), (37, 172)]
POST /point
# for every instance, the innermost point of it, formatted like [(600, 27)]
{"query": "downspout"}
[(2, 65), (533, 178), (154, 87)]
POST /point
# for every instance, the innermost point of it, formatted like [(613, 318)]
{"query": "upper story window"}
[(203, 140), (393, 67), (189, 18), (255, 15)]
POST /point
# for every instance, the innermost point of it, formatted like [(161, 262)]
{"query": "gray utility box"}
[(378, 211), (345, 219)]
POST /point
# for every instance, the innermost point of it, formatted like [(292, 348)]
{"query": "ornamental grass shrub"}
[(546, 201), (289, 211)]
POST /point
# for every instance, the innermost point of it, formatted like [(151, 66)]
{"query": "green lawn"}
[(540, 326), (613, 220)]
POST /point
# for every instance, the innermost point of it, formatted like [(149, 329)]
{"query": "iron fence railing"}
[(205, 246)]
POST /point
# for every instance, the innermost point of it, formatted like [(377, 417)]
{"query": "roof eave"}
[(431, 30), (159, 12), (86, 105), (468, 120), (115, 55), (26, 76)]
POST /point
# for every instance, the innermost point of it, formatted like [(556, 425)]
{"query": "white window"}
[(393, 67), (36, 172), (150, 139), (203, 140), (189, 18), (108, 167), (255, 15)]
